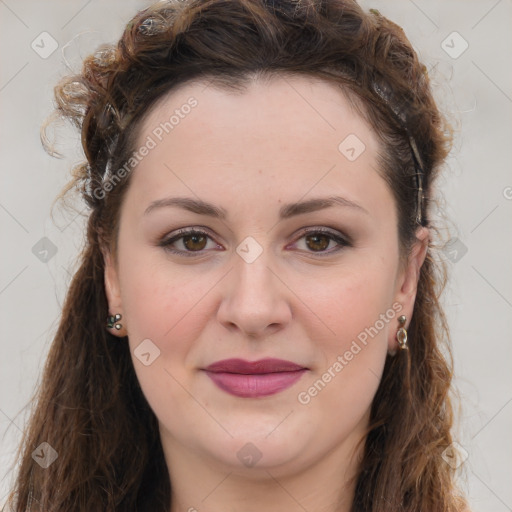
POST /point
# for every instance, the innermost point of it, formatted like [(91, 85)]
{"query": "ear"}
[(113, 291), (407, 283)]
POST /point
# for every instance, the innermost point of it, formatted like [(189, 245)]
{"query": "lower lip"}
[(256, 385)]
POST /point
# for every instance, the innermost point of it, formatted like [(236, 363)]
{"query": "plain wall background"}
[(474, 89)]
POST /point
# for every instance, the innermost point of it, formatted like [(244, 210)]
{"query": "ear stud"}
[(112, 321)]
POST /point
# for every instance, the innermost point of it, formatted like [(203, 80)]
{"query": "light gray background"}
[(474, 89)]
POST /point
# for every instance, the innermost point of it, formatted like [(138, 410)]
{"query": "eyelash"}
[(166, 242)]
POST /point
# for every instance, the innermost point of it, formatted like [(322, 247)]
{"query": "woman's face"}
[(270, 274)]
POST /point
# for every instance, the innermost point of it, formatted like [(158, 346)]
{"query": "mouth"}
[(252, 379)]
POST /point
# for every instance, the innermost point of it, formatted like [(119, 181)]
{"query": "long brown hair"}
[(90, 408)]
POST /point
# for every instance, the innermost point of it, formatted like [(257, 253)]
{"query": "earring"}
[(111, 321), (401, 334)]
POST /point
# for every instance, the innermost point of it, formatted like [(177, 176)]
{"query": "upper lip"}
[(242, 366)]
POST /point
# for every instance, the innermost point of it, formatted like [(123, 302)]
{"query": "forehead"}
[(312, 116), (287, 134), (268, 102)]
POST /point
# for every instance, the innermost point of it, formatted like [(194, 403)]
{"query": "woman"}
[(255, 322)]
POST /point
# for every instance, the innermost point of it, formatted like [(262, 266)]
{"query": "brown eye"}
[(194, 242), (186, 242), (318, 242)]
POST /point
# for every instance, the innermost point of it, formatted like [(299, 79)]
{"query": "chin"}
[(253, 450)]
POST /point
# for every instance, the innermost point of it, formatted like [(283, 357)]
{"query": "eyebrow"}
[(285, 212)]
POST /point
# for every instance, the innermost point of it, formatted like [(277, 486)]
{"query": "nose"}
[(255, 300)]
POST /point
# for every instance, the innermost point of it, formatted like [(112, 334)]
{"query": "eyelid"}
[(340, 238), (178, 234), (335, 235)]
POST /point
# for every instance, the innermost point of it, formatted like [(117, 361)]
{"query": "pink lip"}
[(251, 379)]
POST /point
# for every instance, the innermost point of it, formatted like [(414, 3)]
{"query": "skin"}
[(250, 154)]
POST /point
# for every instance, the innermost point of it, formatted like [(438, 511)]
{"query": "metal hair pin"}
[(386, 95), (418, 167)]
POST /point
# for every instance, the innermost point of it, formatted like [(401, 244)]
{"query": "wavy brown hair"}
[(90, 407)]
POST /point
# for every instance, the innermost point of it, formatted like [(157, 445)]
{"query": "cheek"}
[(359, 314), (171, 307), (168, 309), (157, 294), (351, 300)]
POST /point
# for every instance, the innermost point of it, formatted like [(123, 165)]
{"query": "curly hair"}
[(90, 407)]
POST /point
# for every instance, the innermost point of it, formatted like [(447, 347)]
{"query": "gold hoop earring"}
[(401, 334)]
